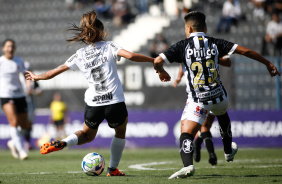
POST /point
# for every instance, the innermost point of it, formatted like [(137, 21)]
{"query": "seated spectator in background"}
[(273, 35), (142, 6), (259, 10), (121, 13), (103, 8), (273, 5), (231, 13), (158, 46)]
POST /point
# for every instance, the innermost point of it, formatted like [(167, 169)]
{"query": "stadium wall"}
[(162, 129)]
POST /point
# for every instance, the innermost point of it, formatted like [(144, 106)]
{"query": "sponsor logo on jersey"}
[(102, 98), (200, 112), (202, 52)]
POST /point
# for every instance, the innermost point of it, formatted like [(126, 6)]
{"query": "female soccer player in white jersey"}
[(199, 55), (13, 97), (104, 98)]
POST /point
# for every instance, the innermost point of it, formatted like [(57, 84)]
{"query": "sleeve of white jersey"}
[(115, 48), (71, 62)]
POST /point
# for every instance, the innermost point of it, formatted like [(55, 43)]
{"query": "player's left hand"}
[(272, 70)]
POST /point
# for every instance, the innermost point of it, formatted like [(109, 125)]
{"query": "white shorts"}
[(198, 112)]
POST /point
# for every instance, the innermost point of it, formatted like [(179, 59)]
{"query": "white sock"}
[(71, 140), (117, 146), (16, 138)]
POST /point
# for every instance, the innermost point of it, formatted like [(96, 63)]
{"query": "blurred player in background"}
[(204, 134), (32, 90), (104, 98), (58, 115), (12, 97), (198, 55)]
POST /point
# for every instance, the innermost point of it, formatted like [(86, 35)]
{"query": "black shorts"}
[(20, 103), (59, 123), (115, 114)]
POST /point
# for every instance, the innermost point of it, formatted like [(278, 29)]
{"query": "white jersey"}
[(98, 64), (10, 84)]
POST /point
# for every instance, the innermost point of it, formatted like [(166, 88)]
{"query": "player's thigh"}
[(116, 115), (9, 109), (191, 127), (208, 123)]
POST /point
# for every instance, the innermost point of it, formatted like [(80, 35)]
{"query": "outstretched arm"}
[(179, 77), (158, 65), (224, 62), (47, 75), (134, 56), (256, 56)]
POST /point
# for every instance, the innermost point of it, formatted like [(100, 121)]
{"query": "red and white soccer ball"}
[(93, 164)]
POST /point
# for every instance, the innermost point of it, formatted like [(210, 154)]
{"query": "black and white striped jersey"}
[(199, 55)]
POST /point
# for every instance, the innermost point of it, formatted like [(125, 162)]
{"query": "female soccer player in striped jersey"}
[(104, 98), (204, 135), (198, 55)]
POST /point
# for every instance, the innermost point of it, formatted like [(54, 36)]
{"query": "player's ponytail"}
[(91, 29)]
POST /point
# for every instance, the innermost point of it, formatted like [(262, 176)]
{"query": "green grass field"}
[(143, 166)]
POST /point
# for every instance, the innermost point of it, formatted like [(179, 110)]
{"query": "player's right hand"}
[(30, 76), (164, 76)]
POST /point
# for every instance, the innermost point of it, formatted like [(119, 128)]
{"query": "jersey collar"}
[(197, 34)]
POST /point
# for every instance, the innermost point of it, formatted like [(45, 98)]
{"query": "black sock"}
[(207, 136), (198, 142), (186, 149), (225, 132), (26, 134)]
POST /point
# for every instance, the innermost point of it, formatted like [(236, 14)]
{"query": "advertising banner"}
[(162, 129)]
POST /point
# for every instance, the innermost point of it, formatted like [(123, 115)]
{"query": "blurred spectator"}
[(121, 12), (103, 8), (32, 90), (274, 5), (171, 9), (231, 13), (159, 45), (142, 6), (259, 9), (58, 115), (273, 35), (75, 4)]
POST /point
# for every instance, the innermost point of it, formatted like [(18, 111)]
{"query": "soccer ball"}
[(93, 164)]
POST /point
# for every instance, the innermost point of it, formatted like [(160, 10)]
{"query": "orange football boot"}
[(52, 146), (114, 172)]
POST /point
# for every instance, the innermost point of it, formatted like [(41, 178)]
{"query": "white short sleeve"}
[(115, 48), (71, 62)]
